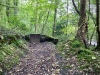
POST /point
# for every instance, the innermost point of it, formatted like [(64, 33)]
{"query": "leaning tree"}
[(82, 24)]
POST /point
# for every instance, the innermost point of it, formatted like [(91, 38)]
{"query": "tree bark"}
[(16, 5), (36, 17), (7, 8), (8, 5), (45, 22), (97, 23), (55, 14), (82, 24)]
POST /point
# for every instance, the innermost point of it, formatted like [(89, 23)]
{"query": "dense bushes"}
[(11, 48), (76, 44)]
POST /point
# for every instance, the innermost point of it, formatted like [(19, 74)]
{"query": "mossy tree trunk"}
[(9, 8), (16, 5), (82, 24), (55, 15), (3, 17)]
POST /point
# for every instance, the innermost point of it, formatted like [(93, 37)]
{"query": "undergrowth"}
[(87, 60), (10, 53)]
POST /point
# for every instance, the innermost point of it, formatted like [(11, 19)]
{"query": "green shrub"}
[(85, 51), (61, 46), (19, 42), (76, 44), (85, 54), (10, 55), (89, 60)]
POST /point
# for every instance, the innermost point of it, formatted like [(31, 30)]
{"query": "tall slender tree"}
[(82, 24), (97, 23), (7, 8), (55, 14), (46, 20), (15, 9), (36, 17), (3, 17)]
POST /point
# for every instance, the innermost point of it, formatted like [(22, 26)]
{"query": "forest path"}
[(40, 60)]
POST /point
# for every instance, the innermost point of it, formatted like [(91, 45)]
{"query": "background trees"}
[(52, 17)]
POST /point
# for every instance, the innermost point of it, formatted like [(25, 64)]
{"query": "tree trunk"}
[(3, 17), (55, 14), (75, 7), (36, 17), (45, 22), (54, 21), (67, 17), (7, 8), (15, 9), (82, 25), (97, 23)]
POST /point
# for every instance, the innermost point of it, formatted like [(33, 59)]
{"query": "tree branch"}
[(94, 19), (8, 5), (75, 7)]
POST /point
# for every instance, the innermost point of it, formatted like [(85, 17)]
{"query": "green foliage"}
[(19, 42), (90, 59), (10, 55), (7, 55), (93, 1), (60, 25), (76, 44), (17, 23), (63, 38), (83, 51), (85, 54), (7, 39), (61, 47), (86, 59), (34, 13), (10, 51)]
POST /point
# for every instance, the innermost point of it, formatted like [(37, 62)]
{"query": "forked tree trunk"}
[(82, 24)]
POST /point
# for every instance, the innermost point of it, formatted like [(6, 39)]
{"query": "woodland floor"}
[(43, 59)]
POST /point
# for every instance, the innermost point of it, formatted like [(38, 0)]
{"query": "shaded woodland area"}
[(75, 23)]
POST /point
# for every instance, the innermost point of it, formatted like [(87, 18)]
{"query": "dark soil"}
[(40, 60), (44, 59)]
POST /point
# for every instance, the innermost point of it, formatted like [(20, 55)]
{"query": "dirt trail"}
[(40, 60)]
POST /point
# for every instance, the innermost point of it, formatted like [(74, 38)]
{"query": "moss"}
[(85, 51), (76, 44), (10, 55)]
